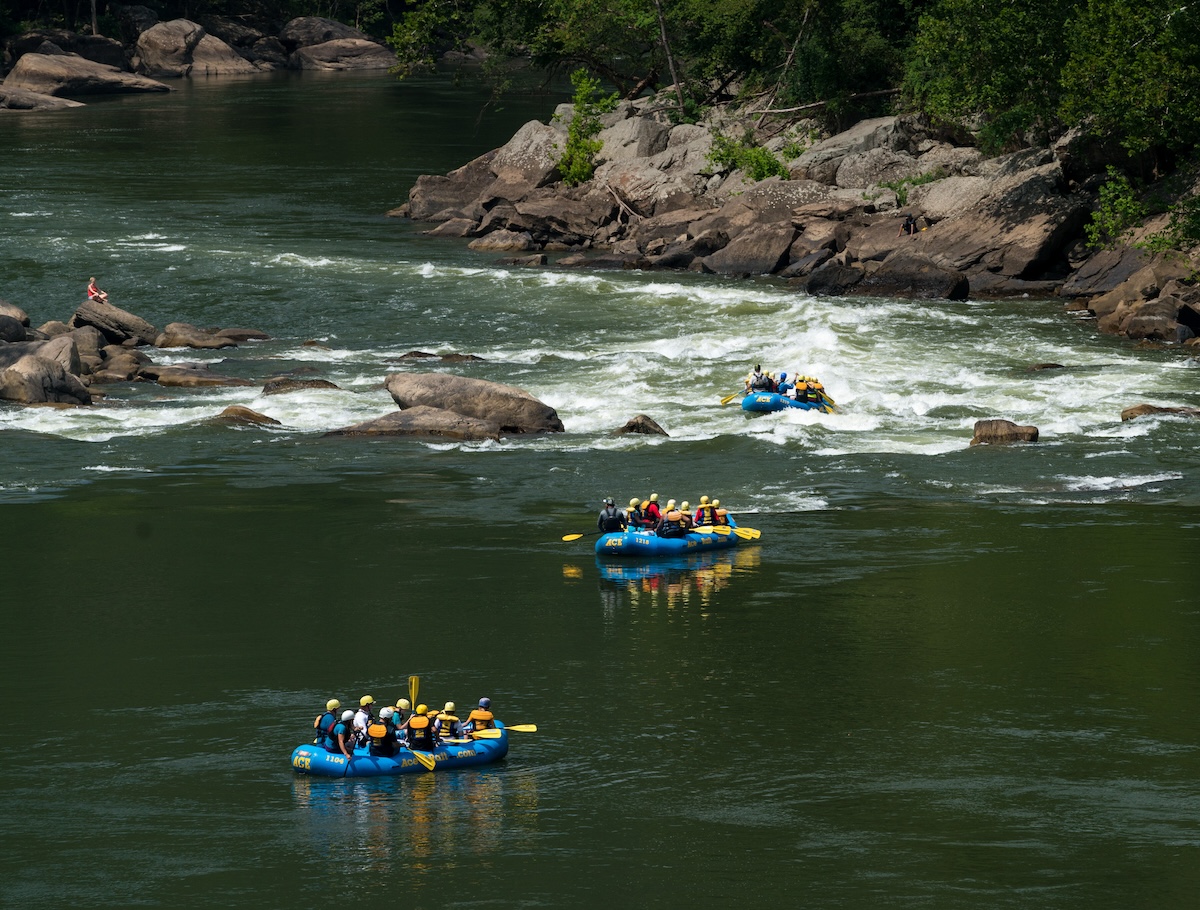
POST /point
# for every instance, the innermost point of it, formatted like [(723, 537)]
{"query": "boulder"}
[(1002, 432), (343, 54), (455, 227), (183, 48), (512, 409), (821, 162), (19, 99), (643, 425), (232, 31), (188, 376), (269, 52), (1142, 410), (96, 48), (681, 253), (1105, 271), (425, 422), (53, 328), (240, 416), (1153, 319), (569, 217), (115, 324), (875, 167), (11, 329), (185, 335), (284, 385), (63, 351), (14, 312), (524, 163), (647, 189), (634, 137), (306, 31), (237, 334), (833, 279), (37, 380), (434, 198), (89, 340), (501, 241), (120, 364), (915, 278), (133, 20), (59, 75), (759, 250), (452, 357)]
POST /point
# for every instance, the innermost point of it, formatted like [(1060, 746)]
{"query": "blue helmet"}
[(782, 377), (485, 703)]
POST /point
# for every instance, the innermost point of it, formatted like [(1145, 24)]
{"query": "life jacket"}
[(383, 739), (420, 733), (481, 720), (345, 729), (671, 525), (653, 513), (705, 515), (760, 382), (611, 519), (448, 725), (721, 518), (636, 517), (324, 724)]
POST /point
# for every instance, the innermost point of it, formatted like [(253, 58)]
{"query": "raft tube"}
[(647, 543), (765, 402), (315, 760)]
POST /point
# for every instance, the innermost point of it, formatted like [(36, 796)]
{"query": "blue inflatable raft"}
[(647, 543), (315, 760), (766, 402)]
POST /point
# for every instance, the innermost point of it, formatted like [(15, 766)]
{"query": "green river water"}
[(944, 678)]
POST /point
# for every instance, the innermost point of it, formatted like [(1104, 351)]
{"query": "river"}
[(945, 676)]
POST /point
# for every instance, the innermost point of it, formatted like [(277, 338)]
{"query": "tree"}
[(1134, 73)]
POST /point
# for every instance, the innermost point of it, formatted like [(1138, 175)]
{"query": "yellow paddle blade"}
[(572, 536), (705, 529), (457, 742), (748, 533), (425, 759), (522, 728), (729, 398), (722, 530), (486, 734), (414, 683)]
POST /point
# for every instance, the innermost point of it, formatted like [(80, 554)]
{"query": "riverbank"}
[(892, 207)]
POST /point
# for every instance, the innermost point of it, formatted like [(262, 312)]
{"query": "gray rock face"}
[(759, 250), (643, 425), (185, 335), (11, 329), (19, 99), (512, 409), (60, 75), (425, 422), (242, 416), (188, 376), (183, 48), (306, 31), (904, 275), (1142, 410), (115, 324), (283, 386), (96, 48)]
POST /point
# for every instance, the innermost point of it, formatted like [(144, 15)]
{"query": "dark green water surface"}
[(945, 677)]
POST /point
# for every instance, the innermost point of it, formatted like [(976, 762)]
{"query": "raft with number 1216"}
[(647, 543), (316, 760)]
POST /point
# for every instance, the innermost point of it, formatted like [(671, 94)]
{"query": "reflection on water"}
[(429, 822), (674, 582)]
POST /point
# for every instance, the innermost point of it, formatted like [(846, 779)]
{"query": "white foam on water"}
[(1106, 484)]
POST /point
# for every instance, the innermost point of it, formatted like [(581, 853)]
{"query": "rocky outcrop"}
[(19, 99), (115, 324), (425, 422), (183, 48), (34, 379), (96, 48), (186, 335), (1002, 432), (285, 385), (343, 54), (60, 75), (242, 416), (188, 376), (511, 409), (306, 31)]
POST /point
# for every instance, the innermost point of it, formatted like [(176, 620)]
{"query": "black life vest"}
[(420, 733), (383, 738), (611, 519)]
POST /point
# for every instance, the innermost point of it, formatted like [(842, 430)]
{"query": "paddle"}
[(522, 728), (425, 759), (719, 530), (729, 398), (414, 683), (486, 734), (577, 536), (748, 533)]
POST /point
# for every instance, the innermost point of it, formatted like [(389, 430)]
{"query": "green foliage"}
[(901, 186), (577, 162), (425, 31), (1183, 228), (756, 161), (1134, 73), (1120, 211)]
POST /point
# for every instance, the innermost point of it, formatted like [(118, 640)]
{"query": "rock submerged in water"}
[(1143, 410), (641, 424), (1002, 432), (238, 415), (424, 422), (283, 385)]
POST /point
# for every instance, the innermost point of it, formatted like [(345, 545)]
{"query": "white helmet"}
[(347, 715)]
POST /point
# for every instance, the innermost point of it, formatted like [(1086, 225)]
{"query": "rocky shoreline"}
[(1006, 226), (47, 69)]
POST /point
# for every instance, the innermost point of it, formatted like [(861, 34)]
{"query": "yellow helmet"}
[(670, 504), (404, 704), (715, 503), (449, 707), (633, 502), (654, 497), (422, 709), (366, 700), (686, 507), (332, 705), (703, 500)]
